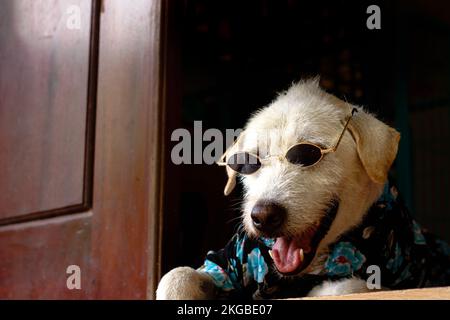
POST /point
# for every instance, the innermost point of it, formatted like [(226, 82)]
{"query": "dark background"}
[(228, 58)]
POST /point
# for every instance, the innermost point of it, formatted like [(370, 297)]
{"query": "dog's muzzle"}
[(291, 255)]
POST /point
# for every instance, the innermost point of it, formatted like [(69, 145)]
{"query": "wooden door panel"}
[(35, 256), (128, 168), (43, 106), (81, 122), (47, 111)]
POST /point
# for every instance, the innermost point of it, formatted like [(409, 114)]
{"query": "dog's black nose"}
[(268, 217)]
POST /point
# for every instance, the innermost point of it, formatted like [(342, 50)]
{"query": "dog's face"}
[(307, 208)]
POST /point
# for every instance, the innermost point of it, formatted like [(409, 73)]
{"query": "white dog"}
[(317, 209)]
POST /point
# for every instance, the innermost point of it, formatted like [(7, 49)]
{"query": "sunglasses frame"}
[(323, 151)]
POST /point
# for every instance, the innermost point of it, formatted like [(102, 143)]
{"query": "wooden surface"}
[(127, 189), (47, 102), (412, 294), (43, 107), (34, 257), (113, 71)]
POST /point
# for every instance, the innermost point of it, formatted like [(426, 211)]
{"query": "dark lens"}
[(304, 154), (244, 163)]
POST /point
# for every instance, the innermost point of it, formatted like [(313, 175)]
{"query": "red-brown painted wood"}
[(110, 177), (128, 161), (43, 106), (35, 255)]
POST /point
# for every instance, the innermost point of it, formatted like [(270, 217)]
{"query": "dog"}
[(319, 211)]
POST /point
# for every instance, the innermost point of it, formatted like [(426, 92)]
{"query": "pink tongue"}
[(286, 255)]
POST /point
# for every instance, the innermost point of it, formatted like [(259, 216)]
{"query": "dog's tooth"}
[(301, 254), (270, 254)]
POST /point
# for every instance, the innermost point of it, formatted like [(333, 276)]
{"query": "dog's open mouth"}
[(291, 255)]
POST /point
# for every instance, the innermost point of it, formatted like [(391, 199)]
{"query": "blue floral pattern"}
[(396, 261), (268, 242), (220, 277), (256, 266), (240, 249), (344, 260), (418, 236)]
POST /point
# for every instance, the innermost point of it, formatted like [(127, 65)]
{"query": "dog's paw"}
[(340, 287), (185, 283)]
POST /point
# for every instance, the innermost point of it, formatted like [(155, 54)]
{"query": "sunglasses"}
[(304, 154)]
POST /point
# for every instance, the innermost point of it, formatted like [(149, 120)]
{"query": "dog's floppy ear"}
[(376, 143), (231, 183)]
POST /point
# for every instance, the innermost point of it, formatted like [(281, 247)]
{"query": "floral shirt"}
[(408, 257)]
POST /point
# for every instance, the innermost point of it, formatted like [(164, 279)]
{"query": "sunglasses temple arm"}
[(343, 131), (221, 161)]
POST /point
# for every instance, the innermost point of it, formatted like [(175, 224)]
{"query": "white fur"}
[(340, 287), (185, 283), (306, 113), (355, 173)]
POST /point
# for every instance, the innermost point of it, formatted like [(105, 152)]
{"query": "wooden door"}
[(80, 147)]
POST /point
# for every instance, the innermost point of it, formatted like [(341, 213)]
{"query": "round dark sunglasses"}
[(305, 154)]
